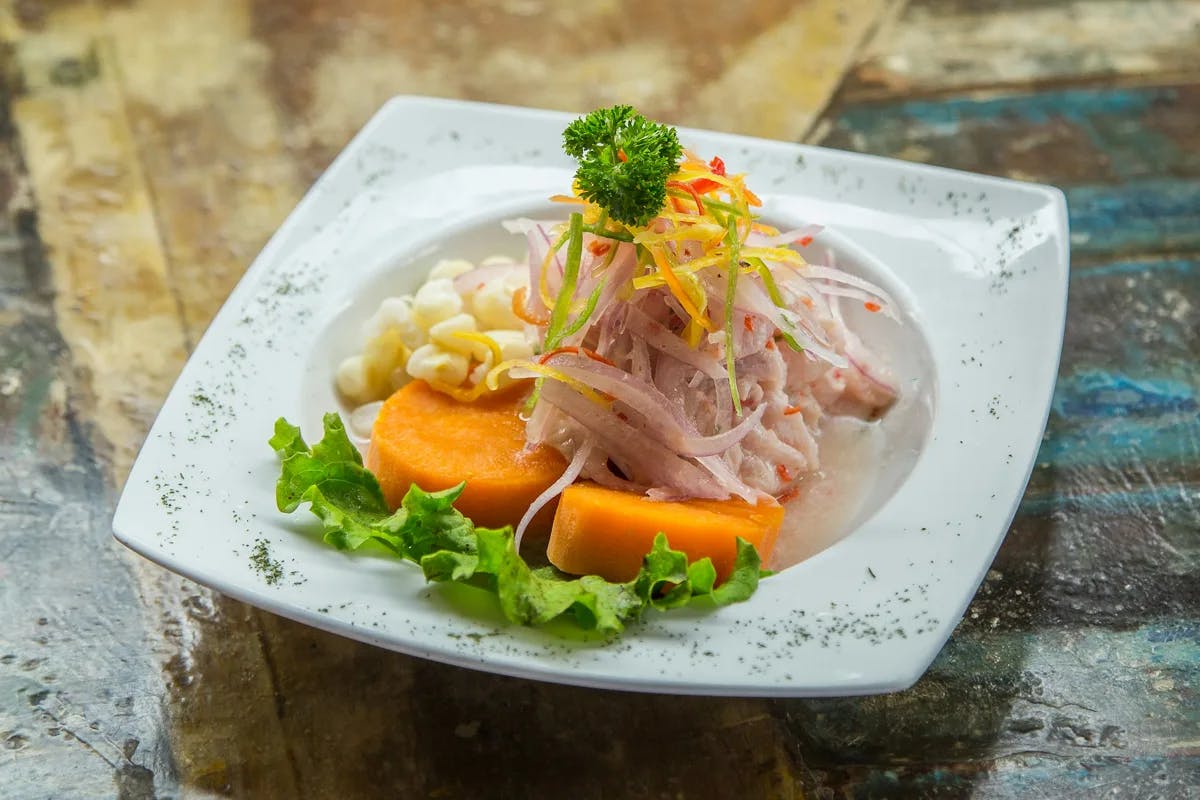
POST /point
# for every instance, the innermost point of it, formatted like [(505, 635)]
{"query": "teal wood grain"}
[(1129, 385), (1076, 670), (1097, 135), (1127, 159)]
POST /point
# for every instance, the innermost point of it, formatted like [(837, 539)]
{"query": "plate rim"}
[(276, 251)]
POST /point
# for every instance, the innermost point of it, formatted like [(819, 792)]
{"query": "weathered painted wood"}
[(944, 45), (164, 142), (80, 691), (119, 310), (1093, 135), (1128, 159)]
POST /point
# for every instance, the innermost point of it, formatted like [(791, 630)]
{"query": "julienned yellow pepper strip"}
[(493, 378), (483, 339), (672, 281)]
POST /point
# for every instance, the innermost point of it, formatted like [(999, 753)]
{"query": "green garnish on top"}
[(428, 530), (624, 160)]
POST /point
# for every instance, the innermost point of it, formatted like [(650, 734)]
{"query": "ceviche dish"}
[(630, 416)]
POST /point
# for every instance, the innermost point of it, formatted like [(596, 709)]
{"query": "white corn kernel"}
[(431, 363), (351, 379), (513, 344), (450, 268), (395, 312), (443, 335), (493, 303), (434, 302)]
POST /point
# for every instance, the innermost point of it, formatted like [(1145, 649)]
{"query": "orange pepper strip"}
[(687, 187), (518, 308), (592, 354), (676, 288)]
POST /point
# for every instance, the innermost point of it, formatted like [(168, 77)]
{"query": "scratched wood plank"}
[(116, 308), (1058, 714), (423, 721), (1127, 158), (217, 196), (210, 140), (937, 46), (79, 690), (1078, 655), (332, 66)]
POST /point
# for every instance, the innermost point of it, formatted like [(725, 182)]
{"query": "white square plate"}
[(978, 265)]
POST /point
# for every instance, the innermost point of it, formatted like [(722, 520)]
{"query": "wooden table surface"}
[(148, 148)]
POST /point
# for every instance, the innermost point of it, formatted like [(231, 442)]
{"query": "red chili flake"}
[(718, 166), (748, 322), (788, 495), (598, 248), (872, 306), (480, 286), (621, 416), (621, 156), (783, 473), (787, 412), (770, 344), (805, 241)]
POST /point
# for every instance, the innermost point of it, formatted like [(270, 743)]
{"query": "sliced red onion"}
[(469, 282), (840, 276), (729, 480), (870, 368), (784, 238), (615, 277), (850, 293), (660, 466), (663, 421), (666, 342), (522, 225), (597, 469), (570, 474), (754, 296)]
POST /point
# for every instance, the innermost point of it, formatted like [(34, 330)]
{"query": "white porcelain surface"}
[(978, 264)]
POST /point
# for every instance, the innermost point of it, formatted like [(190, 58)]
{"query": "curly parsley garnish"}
[(624, 162)]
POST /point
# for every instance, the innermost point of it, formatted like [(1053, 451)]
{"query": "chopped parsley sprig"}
[(624, 160)]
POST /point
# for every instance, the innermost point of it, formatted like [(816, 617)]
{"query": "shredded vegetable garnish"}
[(667, 343), (665, 294)]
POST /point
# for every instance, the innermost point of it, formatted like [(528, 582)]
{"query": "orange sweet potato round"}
[(606, 532), (425, 437)]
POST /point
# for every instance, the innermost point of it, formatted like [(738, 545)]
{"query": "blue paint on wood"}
[(1175, 632), (1092, 393), (1161, 438), (1072, 137), (950, 114), (1070, 497), (1143, 216), (1179, 266)]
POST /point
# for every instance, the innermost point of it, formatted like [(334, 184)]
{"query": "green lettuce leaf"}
[(428, 530)]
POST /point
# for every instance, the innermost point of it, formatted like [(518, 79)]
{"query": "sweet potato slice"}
[(424, 437), (606, 532)]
